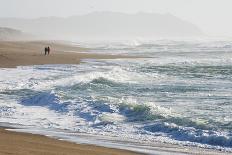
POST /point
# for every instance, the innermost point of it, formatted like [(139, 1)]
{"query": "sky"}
[(214, 17)]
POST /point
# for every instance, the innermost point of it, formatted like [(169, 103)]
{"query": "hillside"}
[(12, 34), (106, 25)]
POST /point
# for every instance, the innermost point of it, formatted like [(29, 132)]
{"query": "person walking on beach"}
[(48, 49), (45, 50)]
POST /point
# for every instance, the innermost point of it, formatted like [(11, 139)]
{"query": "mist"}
[(106, 25), (212, 17)]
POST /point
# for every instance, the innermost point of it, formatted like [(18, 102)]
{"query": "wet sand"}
[(13, 54), (29, 144), (19, 143)]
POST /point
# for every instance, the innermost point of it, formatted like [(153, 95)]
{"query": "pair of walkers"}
[(47, 50)]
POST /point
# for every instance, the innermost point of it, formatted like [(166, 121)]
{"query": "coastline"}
[(20, 53), (27, 144), (13, 54)]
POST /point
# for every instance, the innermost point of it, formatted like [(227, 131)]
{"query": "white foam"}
[(124, 98)]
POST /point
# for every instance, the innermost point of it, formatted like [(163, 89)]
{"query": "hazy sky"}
[(213, 16)]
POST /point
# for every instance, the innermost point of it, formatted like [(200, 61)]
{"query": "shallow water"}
[(181, 94)]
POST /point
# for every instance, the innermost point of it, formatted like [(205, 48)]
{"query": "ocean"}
[(176, 92)]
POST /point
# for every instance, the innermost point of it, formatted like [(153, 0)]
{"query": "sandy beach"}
[(20, 53), (28, 144), (20, 143)]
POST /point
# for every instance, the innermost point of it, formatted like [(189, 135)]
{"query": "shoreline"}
[(20, 53), (26, 144), (34, 139), (13, 54)]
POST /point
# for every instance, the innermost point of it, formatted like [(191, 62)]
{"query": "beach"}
[(19, 53), (28, 144), (136, 102), (25, 142), (13, 54)]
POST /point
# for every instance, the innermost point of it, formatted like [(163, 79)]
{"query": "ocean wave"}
[(104, 81), (178, 95), (6, 111), (147, 112), (191, 134), (45, 99), (138, 113)]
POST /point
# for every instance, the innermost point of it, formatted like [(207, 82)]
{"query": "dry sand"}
[(20, 53), (29, 144)]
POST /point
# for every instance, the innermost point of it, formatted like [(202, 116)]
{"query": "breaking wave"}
[(176, 94)]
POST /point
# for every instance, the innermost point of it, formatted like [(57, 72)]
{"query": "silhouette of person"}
[(48, 50), (45, 50)]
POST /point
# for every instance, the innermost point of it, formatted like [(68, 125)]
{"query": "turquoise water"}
[(180, 94)]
